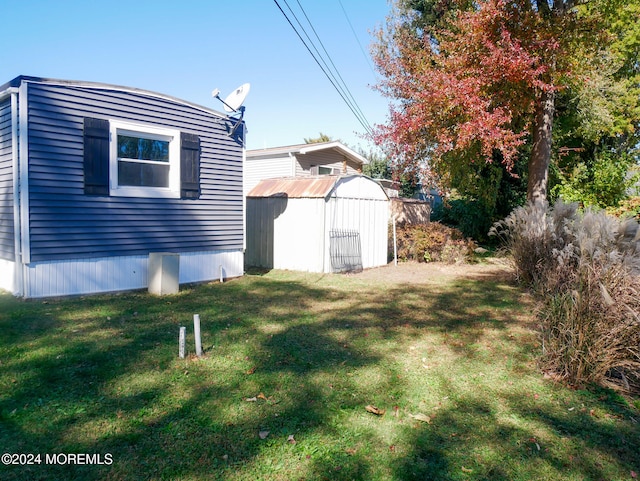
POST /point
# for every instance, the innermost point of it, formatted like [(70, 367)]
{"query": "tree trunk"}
[(541, 150)]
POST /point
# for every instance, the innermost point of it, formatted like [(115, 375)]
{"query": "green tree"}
[(317, 140), (604, 181), (379, 166), (597, 126)]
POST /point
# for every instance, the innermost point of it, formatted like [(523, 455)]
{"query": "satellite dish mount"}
[(233, 104)]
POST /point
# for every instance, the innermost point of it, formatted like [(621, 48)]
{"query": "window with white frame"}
[(144, 161)]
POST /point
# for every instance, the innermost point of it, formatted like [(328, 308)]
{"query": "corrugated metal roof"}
[(295, 187)]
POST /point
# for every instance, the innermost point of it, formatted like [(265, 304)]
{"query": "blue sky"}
[(186, 49)]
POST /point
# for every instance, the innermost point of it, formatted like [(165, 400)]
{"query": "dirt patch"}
[(493, 269)]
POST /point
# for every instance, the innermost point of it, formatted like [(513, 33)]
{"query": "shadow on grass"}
[(284, 357)]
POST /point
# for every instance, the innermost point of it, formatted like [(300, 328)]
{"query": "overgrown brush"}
[(585, 267), (433, 242)]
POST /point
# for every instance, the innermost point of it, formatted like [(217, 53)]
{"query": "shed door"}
[(345, 250)]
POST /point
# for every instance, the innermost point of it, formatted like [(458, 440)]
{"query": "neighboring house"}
[(325, 158), (94, 177), (317, 224)]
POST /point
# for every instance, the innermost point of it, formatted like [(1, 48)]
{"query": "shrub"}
[(470, 217), (585, 267), (433, 242), (627, 208)]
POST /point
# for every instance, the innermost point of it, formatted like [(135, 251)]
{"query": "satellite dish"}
[(235, 99), (233, 103)]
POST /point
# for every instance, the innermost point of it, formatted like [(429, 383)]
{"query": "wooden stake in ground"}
[(196, 332), (182, 341)]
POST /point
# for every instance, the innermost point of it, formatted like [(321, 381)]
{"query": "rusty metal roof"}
[(295, 187)]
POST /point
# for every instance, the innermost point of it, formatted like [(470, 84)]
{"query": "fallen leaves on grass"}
[(269, 399), (374, 410), (421, 417)]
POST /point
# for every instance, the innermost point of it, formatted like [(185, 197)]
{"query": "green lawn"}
[(291, 363)]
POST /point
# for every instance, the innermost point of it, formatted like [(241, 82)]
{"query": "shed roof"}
[(319, 187), (309, 148), (295, 187)]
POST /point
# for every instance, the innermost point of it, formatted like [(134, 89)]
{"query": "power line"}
[(343, 92), (348, 92), (357, 39)]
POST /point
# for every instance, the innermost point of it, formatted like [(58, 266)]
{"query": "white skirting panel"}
[(208, 266), (111, 274), (8, 276)]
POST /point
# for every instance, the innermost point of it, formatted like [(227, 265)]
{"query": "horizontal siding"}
[(327, 158), (66, 224), (7, 243), (257, 169)]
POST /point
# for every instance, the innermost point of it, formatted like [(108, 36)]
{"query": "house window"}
[(320, 170), (144, 161)]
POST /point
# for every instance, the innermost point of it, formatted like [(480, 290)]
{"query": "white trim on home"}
[(305, 149), (16, 286), (23, 170), (337, 146), (152, 132)]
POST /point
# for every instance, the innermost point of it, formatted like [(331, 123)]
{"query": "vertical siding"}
[(67, 224), (261, 216), (327, 158), (285, 233), (7, 245), (299, 236), (109, 274), (7, 275), (370, 218)]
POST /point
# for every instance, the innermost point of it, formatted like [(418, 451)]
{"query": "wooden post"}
[(196, 332), (183, 341), (395, 243)]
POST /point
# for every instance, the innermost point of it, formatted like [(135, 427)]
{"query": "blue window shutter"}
[(189, 166), (96, 156)]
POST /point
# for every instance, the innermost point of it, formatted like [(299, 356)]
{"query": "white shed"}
[(317, 224)]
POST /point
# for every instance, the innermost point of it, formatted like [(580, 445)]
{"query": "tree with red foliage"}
[(477, 81)]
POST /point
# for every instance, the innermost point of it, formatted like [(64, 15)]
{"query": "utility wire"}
[(346, 88), (351, 103), (363, 121), (357, 39)]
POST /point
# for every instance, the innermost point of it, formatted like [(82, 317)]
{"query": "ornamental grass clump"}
[(585, 268)]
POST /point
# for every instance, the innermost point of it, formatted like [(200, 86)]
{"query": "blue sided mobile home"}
[(95, 177)]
